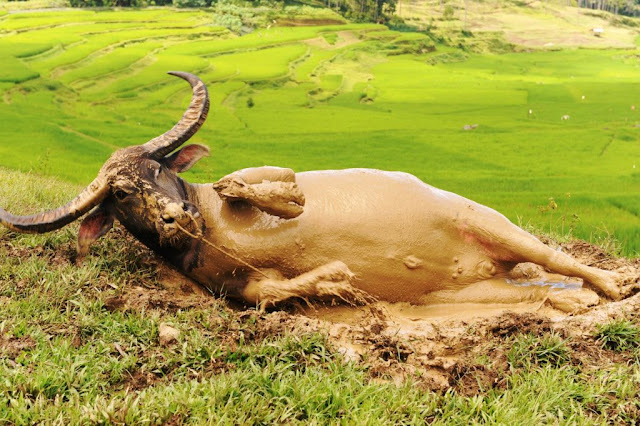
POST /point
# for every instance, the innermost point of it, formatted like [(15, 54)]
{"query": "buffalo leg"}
[(506, 243), (333, 280), (497, 290), (270, 189)]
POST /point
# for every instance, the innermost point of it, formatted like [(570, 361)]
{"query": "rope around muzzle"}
[(220, 249)]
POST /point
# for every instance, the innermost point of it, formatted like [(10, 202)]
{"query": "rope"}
[(221, 250)]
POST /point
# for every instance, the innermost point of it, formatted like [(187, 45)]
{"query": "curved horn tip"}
[(185, 76)]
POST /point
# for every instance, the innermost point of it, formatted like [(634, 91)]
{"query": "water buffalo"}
[(267, 234)]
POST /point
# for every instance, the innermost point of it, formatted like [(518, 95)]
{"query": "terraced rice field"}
[(77, 85), (80, 342)]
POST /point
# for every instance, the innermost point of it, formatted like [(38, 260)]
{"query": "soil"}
[(438, 347), (345, 38)]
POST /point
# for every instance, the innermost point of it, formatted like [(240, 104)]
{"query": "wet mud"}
[(439, 347)]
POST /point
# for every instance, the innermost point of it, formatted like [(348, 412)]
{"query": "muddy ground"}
[(437, 347)]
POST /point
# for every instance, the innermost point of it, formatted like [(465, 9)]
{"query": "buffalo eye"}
[(120, 194)]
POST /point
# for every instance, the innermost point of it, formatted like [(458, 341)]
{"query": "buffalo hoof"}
[(572, 300), (282, 199)]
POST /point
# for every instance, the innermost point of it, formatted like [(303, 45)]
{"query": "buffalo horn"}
[(50, 220), (191, 121)]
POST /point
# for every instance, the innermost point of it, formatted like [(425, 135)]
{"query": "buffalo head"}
[(139, 186)]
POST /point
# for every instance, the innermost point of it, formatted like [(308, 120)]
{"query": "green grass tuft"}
[(620, 335), (15, 71), (529, 350)]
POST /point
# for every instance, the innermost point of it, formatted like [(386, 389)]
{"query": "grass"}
[(538, 25), (68, 356), (619, 335), (14, 71), (117, 60), (102, 85), (528, 350)]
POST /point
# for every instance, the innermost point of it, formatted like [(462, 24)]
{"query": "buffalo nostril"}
[(167, 218)]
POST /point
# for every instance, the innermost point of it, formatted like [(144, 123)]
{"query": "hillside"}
[(121, 338), (531, 24), (85, 343), (78, 84)]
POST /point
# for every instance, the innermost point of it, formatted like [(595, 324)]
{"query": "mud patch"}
[(140, 380), (435, 347), (135, 299), (11, 347), (345, 38)]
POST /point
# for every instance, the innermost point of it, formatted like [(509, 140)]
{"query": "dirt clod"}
[(510, 323), (11, 347), (167, 334)]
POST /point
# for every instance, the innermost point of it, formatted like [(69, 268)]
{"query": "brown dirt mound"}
[(397, 342)]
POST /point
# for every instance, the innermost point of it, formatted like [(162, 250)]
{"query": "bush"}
[(235, 18), (191, 3), (396, 23), (448, 13), (118, 3), (232, 22)]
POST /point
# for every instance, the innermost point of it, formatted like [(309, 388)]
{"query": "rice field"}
[(76, 85), (80, 342)]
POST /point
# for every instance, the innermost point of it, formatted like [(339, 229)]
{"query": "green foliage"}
[(119, 3), (528, 349), (396, 23), (191, 3), (245, 17), (232, 22), (15, 71), (122, 3), (560, 213), (18, 5), (246, 14), (619, 335), (409, 43), (446, 58), (331, 38), (379, 11), (103, 86), (448, 12), (629, 8)]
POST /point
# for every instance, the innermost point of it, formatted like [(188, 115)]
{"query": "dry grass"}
[(535, 24)]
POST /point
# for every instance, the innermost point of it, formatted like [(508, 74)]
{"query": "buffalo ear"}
[(181, 161), (95, 225)]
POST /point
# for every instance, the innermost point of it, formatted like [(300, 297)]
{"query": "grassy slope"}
[(70, 353), (533, 23), (317, 105)]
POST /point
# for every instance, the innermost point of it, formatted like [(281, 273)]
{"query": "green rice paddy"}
[(76, 85)]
